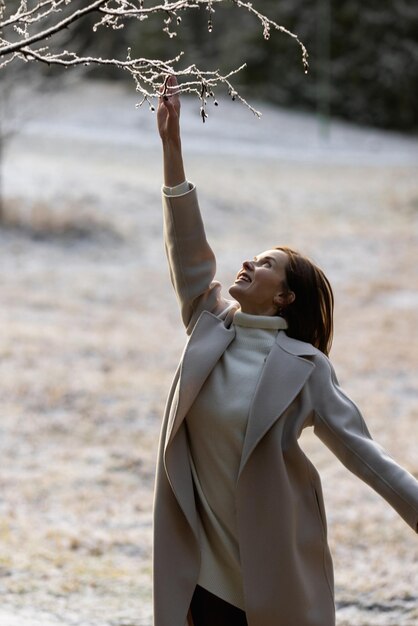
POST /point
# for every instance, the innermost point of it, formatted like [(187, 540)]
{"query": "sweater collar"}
[(270, 322)]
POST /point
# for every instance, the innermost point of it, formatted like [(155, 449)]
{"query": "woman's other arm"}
[(191, 259), (340, 425)]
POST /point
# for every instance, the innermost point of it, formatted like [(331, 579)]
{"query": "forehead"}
[(278, 256)]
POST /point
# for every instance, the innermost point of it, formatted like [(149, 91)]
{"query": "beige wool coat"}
[(286, 564)]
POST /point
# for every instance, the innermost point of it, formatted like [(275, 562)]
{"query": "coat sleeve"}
[(340, 425), (191, 260)]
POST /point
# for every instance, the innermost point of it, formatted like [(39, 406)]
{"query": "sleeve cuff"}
[(178, 190)]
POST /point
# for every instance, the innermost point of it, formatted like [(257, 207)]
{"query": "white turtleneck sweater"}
[(216, 425)]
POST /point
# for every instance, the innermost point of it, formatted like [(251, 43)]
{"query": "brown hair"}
[(310, 315)]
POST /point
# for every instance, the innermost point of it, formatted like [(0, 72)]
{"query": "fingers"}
[(163, 88), (168, 104), (166, 100), (171, 82), (169, 87), (169, 109)]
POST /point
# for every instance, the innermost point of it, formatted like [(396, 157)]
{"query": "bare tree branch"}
[(48, 32), (39, 21)]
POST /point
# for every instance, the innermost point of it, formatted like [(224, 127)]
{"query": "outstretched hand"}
[(168, 118), (168, 112)]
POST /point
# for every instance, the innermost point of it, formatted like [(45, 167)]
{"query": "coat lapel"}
[(282, 379), (208, 342)]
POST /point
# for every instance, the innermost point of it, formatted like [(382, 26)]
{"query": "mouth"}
[(243, 277)]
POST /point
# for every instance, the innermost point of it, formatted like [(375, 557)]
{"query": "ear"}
[(284, 298)]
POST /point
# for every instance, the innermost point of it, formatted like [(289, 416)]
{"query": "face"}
[(260, 285)]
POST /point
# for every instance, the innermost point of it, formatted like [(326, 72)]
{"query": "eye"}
[(262, 262)]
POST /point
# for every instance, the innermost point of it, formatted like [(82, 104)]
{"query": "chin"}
[(235, 291)]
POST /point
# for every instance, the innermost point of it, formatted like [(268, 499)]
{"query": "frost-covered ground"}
[(91, 335)]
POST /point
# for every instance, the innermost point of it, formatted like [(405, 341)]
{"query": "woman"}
[(240, 529)]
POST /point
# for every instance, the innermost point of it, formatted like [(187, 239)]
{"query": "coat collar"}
[(283, 375)]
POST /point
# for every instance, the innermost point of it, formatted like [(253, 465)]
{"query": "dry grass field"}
[(90, 336)]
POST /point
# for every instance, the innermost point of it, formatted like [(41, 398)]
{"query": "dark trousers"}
[(209, 610)]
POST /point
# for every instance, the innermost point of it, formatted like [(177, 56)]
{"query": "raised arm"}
[(191, 260)]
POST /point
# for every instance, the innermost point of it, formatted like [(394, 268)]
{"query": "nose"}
[(248, 265)]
